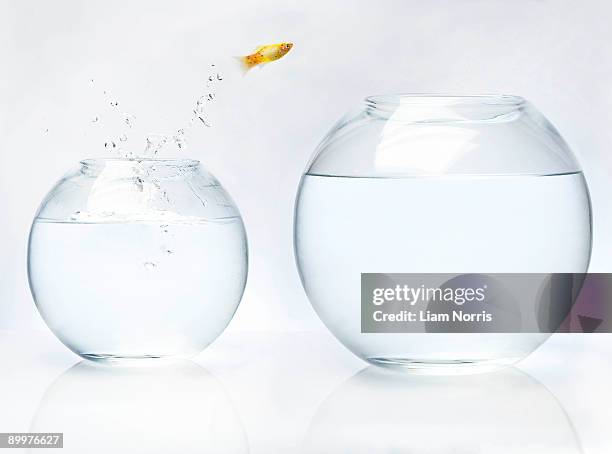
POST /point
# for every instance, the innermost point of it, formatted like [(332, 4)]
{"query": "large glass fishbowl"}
[(437, 184), (137, 259)]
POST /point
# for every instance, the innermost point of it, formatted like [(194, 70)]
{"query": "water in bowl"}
[(132, 288), (346, 226)]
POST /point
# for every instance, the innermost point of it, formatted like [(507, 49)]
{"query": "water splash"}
[(113, 143), (155, 143), (200, 111), (179, 139)]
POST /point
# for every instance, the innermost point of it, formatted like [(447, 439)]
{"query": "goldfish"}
[(264, 54)]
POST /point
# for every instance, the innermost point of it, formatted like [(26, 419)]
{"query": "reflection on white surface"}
[(179, 408), (384, 413)]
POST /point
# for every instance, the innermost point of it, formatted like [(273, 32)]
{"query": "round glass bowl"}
[(137, 259), (437, 184)]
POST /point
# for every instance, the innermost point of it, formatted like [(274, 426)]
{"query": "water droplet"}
[(129, 119), (179, 139), (155, 143), (219, 76), (114, 103), (150, 265), (123, 137), (211, 78), (95, 119), (110, 145)]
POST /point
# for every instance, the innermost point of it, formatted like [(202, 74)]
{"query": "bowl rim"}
[(174, 162), (443, 99)]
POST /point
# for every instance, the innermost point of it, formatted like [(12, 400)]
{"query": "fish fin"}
[(244, 64)]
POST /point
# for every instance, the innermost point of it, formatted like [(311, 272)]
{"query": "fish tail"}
[(244, 64)]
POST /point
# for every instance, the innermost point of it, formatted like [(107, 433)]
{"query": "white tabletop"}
[(303, 392)]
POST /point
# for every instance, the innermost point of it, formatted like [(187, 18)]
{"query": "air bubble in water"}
[(150, 266), (95, 119), (139, 183), (219, 76), (123, 137), (114, 103), (110, 145)]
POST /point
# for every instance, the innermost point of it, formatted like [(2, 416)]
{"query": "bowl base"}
[(139, 360), (444, 366)]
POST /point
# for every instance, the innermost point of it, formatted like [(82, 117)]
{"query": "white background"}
[(152, 57)]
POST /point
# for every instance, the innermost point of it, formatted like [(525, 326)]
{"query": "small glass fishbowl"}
[(137, 259), (437, 184)]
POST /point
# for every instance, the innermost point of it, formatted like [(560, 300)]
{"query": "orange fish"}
[(264, 54)]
